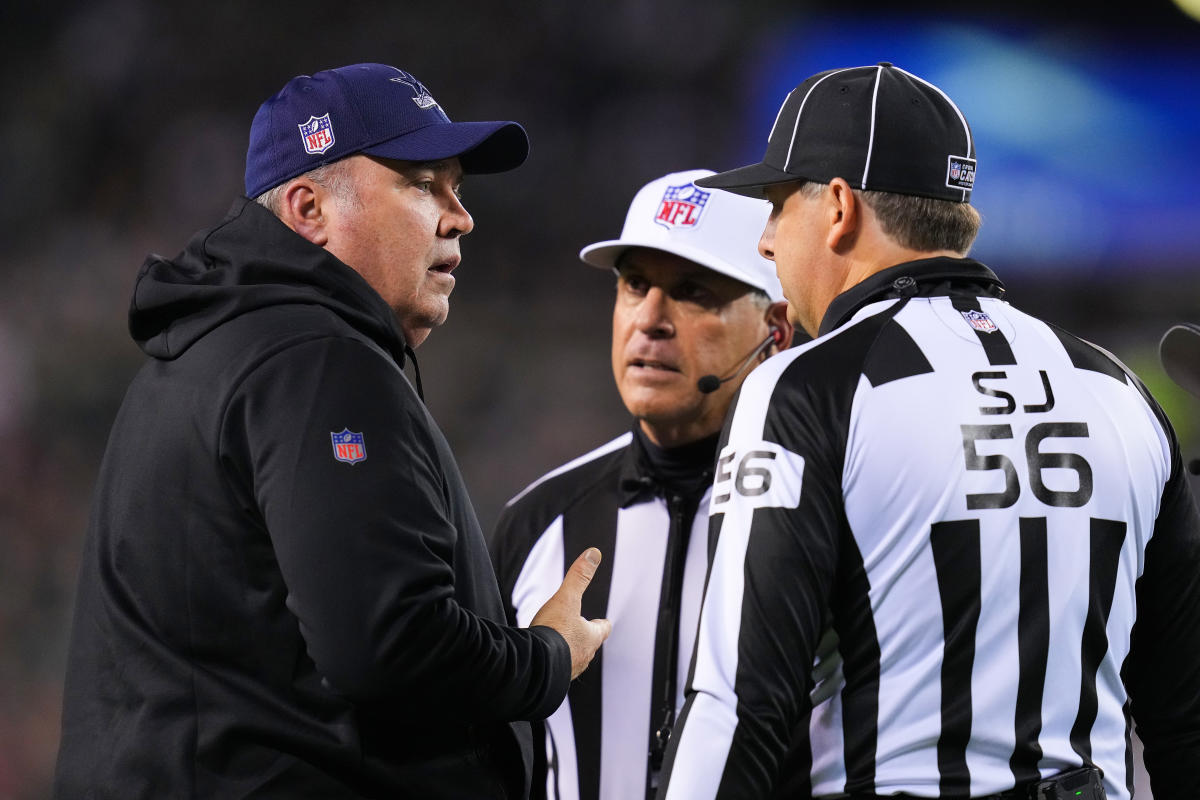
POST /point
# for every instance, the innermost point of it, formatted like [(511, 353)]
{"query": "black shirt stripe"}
[(1033, 647), (1107, 536), (994, 344), (956, 559), (859, 644), (894, 356), (1084, 356)]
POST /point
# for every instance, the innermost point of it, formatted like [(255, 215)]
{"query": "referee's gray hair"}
[(334, 177), (918, 223)]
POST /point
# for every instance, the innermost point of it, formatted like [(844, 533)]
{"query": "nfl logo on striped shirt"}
[(980, 321)]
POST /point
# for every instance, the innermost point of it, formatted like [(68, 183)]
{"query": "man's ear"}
[(301, 209), (843, 213), (777, 320)]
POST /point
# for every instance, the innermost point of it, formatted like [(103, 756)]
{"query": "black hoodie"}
[(269, 609)]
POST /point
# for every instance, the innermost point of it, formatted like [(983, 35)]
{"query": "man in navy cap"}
[(956, 553), (284, 589)]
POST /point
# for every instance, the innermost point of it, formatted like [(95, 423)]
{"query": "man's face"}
[(794, 240), (675, 321), (399, 228)]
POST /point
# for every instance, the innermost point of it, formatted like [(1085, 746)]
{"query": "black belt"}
[(1084, 782)]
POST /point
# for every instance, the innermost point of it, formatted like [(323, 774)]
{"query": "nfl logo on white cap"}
[(681, 206), (717, 230)]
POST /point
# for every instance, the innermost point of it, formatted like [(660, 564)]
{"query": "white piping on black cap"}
[(961, 118), (800, 112), (871, 134), (778, 113)]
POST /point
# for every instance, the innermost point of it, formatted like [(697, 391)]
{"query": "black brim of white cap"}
[(748, 180), (481, 147)]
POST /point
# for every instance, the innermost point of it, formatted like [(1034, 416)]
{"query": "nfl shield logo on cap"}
[(349, 446), (681, 206), (317, 134)]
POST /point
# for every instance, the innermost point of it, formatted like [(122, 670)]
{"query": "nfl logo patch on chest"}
[(317, 134), (349, 446), (682, 206)]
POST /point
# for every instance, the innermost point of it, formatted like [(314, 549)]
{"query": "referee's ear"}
[(843, 215), (777, 320)]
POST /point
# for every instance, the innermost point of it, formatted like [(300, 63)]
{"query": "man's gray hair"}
[(334, 177)]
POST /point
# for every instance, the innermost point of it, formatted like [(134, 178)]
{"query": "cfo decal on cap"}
[(682, 206), (961, 173), (317, 134)]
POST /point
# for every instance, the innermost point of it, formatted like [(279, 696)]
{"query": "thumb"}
[(601, 627), (579, 576)]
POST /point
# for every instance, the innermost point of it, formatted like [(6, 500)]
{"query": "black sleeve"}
[(507, 545), (367, 549), (1162, 673)]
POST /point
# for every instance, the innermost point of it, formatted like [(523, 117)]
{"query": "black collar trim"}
[(639, 480), (927, 277)]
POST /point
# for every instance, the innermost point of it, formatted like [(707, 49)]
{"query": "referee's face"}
[(673, 322), (796, 239)]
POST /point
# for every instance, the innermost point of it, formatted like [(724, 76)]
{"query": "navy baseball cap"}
[(878, 128), (372, 109)]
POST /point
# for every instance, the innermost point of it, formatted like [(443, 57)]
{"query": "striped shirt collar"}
[(925, 277)]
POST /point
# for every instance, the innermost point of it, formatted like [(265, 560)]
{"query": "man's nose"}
[(654, 316), (457, 221), (766, 242)]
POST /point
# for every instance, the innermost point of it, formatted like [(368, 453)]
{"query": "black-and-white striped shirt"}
[(937, 526), (607, 740)]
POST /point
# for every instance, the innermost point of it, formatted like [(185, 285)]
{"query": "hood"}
[(250, 260)]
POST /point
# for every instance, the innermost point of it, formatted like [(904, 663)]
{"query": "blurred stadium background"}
[(125, 125)]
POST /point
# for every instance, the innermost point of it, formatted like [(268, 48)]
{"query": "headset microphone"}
[(710, 383)]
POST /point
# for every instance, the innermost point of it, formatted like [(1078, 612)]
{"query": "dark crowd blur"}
[(124, 130)]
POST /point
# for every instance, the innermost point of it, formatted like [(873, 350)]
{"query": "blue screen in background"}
[(1088, 141)]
